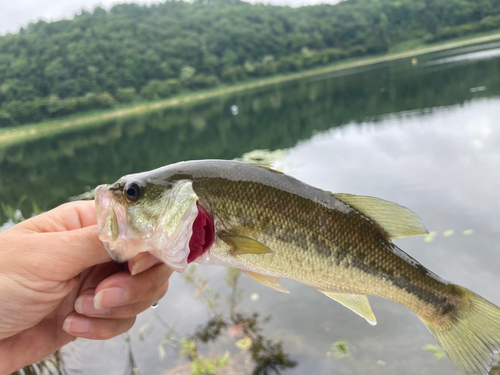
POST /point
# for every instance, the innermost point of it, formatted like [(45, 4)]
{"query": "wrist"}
[(10, 363)]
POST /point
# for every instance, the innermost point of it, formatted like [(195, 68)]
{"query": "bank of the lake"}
[(9, 136)]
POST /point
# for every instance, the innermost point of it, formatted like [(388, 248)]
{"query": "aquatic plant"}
[(52, 365)]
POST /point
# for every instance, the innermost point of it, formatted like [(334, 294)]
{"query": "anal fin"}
[(355, 302), (270, 282), (244, 245)]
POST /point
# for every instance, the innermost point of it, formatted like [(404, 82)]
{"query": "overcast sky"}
[(17, 13)]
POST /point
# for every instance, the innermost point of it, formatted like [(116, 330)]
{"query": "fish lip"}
[(104, 203), (114, 256)]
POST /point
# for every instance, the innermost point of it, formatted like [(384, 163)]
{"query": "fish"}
[(272, 226)]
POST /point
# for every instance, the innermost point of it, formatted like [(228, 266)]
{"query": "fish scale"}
[(363, 267)]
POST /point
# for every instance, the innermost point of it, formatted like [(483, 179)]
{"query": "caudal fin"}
[(470, 334)]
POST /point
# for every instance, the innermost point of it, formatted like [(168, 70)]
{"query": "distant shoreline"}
[(9, 136)]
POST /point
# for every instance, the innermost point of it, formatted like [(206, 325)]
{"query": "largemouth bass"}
[(271, 226)]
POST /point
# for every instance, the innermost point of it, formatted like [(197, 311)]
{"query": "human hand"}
[(58, 283)]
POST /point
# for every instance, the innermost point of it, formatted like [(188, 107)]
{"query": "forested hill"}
[(98, 59)]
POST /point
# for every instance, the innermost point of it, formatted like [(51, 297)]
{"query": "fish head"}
[(137, 215)]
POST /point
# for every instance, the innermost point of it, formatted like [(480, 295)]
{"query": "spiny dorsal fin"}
[(268, 167), (270, 282), (243, 245), (396, 220), (355, 302)]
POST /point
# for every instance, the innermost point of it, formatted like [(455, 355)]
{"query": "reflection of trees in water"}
[(238, 335), (274, 118), (268, 356), (243, 328), (52, 365)]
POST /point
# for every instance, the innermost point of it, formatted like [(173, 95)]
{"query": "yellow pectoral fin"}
[(271, 282), (355, 302), (243, 245)]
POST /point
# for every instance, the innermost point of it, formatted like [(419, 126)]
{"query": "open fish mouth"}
[(112, 224), (169, 238)]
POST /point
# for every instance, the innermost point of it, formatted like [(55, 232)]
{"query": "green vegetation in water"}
[(341, 349), (13, 214), (199, 364), (256, 354), (438, 352), (52, 365), (265, 157), (242, 328), (105, 58)]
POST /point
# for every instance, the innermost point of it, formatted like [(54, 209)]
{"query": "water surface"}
[(424, 136)]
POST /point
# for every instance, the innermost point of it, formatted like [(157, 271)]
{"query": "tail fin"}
[(471, 334)]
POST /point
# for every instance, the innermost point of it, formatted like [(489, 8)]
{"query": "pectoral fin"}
[(243, 245), (396, 220), (355, 302), (271, 282)]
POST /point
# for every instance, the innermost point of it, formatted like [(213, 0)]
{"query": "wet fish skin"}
[(339, 244)]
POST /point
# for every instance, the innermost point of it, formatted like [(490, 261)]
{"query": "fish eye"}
[(132, 191)]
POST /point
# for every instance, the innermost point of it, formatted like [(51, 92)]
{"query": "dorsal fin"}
[(355, 302), (270, 168), (270, 282), (397, 221)]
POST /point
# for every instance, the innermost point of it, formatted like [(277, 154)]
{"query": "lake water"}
[(426, 136)]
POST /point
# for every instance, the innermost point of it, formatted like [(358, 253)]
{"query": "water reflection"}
[(52, 169), (480, 55), (237, 336), (52, 365)]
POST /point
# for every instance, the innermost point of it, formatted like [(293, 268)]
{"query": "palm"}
[(43, 321)]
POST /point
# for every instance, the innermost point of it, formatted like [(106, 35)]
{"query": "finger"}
[(84, 305), (142, 262), (67, 217), (122, 288), (79, 249), (55, 256), (93, 276), (96, 328)]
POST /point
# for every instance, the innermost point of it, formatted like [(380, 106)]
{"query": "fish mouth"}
[(111, 223), (183, 232)]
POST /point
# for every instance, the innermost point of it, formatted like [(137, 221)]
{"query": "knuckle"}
[(113, 327), (151, 284), (163, 290)]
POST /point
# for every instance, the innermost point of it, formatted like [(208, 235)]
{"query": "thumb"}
[(67, 254)]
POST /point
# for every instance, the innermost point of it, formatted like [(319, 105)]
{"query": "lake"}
[(424, 134)]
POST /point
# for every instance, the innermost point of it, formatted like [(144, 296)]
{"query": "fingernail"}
[(142, 264), (77, 325), (110, 297), (85, 305)]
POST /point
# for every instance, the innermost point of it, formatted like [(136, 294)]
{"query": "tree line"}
[(136, 52)]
